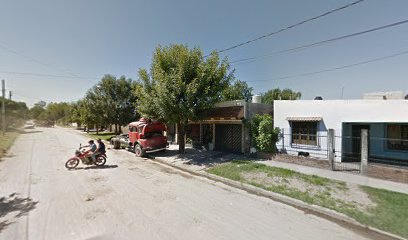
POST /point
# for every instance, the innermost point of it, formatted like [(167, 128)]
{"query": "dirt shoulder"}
[(7, 140)]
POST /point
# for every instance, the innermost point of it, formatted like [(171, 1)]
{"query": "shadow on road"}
[(95, 167), (30, 132), (15, 204), (24, 131)]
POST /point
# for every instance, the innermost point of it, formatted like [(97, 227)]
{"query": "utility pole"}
[(3, 107), (10, 95)]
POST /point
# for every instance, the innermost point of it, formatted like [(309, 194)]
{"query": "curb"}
[(325, 213)]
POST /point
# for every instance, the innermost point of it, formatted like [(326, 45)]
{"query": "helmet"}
[(91, 141)]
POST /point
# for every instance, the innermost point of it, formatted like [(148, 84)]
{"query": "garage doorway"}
[(228, 137)]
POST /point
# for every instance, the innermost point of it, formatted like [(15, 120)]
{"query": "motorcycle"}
[(81, 155)]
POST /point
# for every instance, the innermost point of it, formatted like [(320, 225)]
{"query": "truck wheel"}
[(139, 151)]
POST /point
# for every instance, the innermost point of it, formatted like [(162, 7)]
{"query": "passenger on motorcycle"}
[(92, 150), (101, 147)]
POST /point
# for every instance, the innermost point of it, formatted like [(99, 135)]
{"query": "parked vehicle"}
[(120, 141), (146, 136), (81, 156), (29, 125)]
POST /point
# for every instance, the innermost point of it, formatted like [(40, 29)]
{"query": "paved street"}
[(132, 198)]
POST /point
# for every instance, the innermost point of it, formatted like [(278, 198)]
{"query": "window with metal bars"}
[(304, 133)]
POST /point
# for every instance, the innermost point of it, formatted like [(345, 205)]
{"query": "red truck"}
[(146, 136)]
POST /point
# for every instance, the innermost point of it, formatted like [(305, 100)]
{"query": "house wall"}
[(336, 112)]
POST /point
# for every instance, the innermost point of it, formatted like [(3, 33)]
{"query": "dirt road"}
[(133, 198)]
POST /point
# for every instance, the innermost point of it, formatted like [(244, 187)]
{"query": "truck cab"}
[(146, 136)]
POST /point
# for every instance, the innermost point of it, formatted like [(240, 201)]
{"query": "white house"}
[(305, 124)]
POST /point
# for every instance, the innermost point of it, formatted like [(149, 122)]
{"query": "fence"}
[(307, 145), (347, 153), (348, 156), (325, 145)]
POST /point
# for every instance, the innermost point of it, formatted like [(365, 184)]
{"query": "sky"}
[(55, 50)]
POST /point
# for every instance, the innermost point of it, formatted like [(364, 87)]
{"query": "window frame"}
[(397, 143), (304, 135)]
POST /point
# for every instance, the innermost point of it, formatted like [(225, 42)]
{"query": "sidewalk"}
[(341, 176), (194, 159), (200, 160)]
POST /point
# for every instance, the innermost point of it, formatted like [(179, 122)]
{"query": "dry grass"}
[(6, 141)]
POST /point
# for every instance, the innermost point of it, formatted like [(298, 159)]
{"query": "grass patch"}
[(6, 141), (103, 135), (389, 211)]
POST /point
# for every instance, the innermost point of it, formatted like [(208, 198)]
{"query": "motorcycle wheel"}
[(72, 163), (100, 161), (139, 151)]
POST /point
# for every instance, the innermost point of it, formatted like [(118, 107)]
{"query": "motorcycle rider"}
[(101, 147), (92, 150)]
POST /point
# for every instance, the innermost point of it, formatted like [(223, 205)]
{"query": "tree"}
[(75, 113), (113, 99), (88, 117), (288, 94), (237, 91), (181, 86), (277, 94), (58, 112), (36, 111), (95, 109), (16, 113), (264, 135)]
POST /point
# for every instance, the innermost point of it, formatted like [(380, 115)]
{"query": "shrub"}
[(264, 135)]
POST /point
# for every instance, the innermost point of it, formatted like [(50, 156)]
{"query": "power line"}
[(333, 69), (42, 63), (290, 26), (253, 59), (24, 96), (43, 75)]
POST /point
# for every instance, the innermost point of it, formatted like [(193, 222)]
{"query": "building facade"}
[(226, 126), (305, 124)]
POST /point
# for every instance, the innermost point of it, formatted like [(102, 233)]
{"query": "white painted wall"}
[(334, 113)]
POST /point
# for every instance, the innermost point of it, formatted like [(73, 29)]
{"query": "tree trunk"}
[(182, 137), (110, 127), (97, 129), (87, 129), (116, 128)]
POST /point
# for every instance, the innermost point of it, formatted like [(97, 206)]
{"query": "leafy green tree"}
[(277, 94), (58, 112), (16, 113), (36, 111), (88, 117), (182, 85), (264, 135), (237, 91), (114, 100), (95, 109), (288, 94), (75, 113)]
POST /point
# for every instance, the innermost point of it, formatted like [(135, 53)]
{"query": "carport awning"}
[(304, 119)]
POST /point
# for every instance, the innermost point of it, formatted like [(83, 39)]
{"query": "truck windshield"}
[(154, 134)]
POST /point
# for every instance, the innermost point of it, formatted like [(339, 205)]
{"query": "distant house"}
[(224, 127), (305, 124)]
